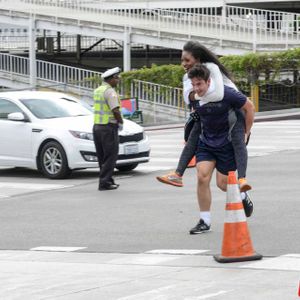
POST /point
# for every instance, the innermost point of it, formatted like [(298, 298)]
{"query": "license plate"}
[(131, 149)]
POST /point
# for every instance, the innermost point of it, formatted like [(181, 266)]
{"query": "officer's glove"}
[(120, 126), (195, 116)]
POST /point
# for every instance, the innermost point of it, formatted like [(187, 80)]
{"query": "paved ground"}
[(65, 240), (28, 275)]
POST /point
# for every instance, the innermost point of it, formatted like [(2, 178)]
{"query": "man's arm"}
[(113, 102), (117, 115), (249, 110)]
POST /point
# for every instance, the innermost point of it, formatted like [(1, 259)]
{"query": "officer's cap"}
[(110, 72)]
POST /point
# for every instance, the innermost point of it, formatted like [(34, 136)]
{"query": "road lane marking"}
[(162, 293), (157, 294), (154, 168), (57, 249), (32, 186), (144, 259), (9, 189), (207, 296), (177, 251), (288, 262)]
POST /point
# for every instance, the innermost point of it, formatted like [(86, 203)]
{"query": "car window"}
[(55, 108), (7, 107), (82, 102)]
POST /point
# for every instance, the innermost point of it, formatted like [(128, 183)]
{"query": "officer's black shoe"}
[(108, 187), (248, 206), (113, 182)]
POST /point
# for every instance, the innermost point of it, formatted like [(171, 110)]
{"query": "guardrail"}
[(236, 24), (16, 40), (159, 99), (51, 72), (154, 97), (61, 74)]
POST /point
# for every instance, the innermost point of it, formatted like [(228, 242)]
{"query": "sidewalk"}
[(100, 276)]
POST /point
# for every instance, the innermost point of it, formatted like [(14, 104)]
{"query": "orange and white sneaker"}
[(244, 186), (171, 178)]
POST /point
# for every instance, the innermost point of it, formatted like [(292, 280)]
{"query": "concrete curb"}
[(268, 116)]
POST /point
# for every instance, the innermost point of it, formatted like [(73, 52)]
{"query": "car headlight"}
[(82, 135)]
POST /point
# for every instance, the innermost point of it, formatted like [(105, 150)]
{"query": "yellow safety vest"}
[(102, 111)]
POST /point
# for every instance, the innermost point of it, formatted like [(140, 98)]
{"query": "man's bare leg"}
[(204, 174), (222, 181)]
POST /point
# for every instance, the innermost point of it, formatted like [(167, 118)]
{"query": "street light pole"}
[(32, 53)]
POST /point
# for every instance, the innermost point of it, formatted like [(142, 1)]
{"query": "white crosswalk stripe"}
[(166, 146), (270, 137), (267, 138), (289, 262), (8, 189), (56, 249)]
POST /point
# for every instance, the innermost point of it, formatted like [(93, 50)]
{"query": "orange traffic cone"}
[(237, 245), (299, 289), (192, 162)]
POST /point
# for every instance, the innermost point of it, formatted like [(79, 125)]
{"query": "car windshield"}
[(55, 108)]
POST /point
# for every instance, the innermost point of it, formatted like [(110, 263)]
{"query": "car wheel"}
[(126, 168), (53, 161)]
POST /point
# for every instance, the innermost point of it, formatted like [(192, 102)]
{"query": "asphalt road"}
[(144, 215)]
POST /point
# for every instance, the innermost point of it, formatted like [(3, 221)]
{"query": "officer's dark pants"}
[(106, 141)]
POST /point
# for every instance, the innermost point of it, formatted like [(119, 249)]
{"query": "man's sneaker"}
[(248, 206), (244, 186), (171, 178), (201, 227)]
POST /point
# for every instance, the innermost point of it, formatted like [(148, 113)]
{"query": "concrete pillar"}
[(224, 12), (78, 47), (147, 56), (50, 45), (58, 38), (126, 51), (254, 42), (32, 53)]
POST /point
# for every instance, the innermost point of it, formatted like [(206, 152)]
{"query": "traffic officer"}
[(107, 121)]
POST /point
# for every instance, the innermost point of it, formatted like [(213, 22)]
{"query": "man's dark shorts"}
[(224, 156)]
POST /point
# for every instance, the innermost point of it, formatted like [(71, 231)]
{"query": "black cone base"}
[(223, 259)]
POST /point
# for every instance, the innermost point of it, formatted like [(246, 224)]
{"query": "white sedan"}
[(52, 132)]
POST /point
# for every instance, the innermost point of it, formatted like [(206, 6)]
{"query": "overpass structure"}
[(223, 28), (281, 5)]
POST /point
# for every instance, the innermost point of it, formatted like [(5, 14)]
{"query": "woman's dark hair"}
[(204, 55)]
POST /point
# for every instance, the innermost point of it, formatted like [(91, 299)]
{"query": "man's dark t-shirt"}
[(218, 118)]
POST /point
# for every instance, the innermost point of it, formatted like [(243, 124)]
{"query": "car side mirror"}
[(16, 116)]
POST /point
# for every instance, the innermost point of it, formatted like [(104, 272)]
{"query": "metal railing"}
[(279, 95), (50, 72), (238, 24), (157, 94), (153, 97), (11, 40), (284, 93)]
